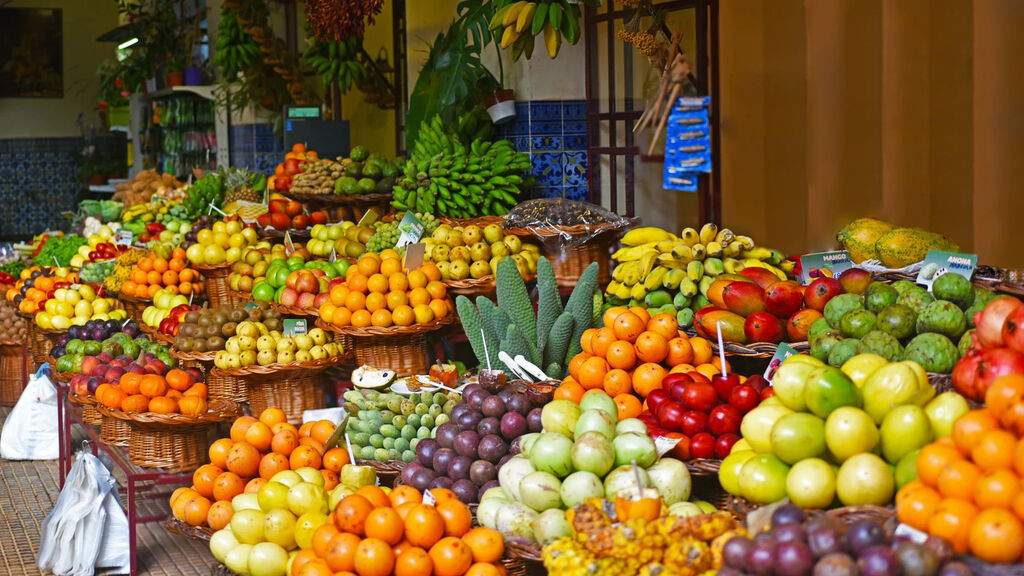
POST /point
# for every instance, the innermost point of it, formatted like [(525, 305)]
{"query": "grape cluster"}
[(388, 233)]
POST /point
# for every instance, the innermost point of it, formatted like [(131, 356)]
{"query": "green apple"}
[(850, 431), (862, 366), (788, 383), (757, 426), (943, 411), (829, 388), (729, 470), (906, 469), (763, 479), (891, 386), (865, 479), (797, 436), (811, 483), (904, 430)]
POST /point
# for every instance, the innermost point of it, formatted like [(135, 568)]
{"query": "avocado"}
[(942, 317), (954, 288), (934, 352), (840, 305), (359, 153)]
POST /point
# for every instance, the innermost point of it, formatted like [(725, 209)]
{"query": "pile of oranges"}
[(630, 355), (177, 392), (242, 463), (378, 291), (374, 533), (151, 274), (968, 488), (31, 293)]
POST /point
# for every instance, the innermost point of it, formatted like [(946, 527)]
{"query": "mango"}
[(744, 298), (732, 326)]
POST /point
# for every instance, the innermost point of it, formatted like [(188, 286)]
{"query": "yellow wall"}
[(83, 21)]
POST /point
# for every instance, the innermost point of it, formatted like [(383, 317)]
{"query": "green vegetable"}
[(206, 190), (61, 249), (14, 267)]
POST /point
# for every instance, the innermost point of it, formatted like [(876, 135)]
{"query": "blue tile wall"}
[(256, 147), (554, 134), (38, 181)]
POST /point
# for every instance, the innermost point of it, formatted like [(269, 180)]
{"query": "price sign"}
[(411, 228), (781, 353), (289, 246), (414, 254), (823, 264), (937, 263), (368, 218), (125, 237), (664, 444), (293, 326)]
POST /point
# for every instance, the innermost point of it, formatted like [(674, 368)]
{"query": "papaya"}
[(732, 326), (860, 237), (905, 246)]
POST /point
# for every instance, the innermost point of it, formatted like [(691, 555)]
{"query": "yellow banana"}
[(699, 251), (755, 263), (647, 262), (509, 36), (512, 16), (669, 262), (777, 257), (695, 270), (690, 236), (613, 286), (622, 292), (759, 253), (746, 241), (733, 250), (654, 279), (714, 249), (687, 287), (632, 276), (633, 252), (622, 269), (724, 236), (787, 266), (668, 245), (732, 265), (646, 235), (638, 292), (708, 233), (682, 252), (525, 19), (552, 40), (674, 277)]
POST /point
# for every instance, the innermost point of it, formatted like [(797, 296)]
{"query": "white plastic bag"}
[(31, 430), (115, 549)]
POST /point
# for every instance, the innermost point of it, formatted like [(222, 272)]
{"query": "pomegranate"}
[(1013, 329), (990, 321), (965, 376), (974, 374)]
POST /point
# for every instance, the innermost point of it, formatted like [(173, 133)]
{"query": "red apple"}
[(702, 445), (724, 419), (318, 217), (292, 208), (744, 397), (291, 279), (320, 299), (289, 297), (307, 282), (196, 374), (300, 221), (656, 398), (763, 327), (819, 292), (724, 444), (670, 416), (783, 299), (335, 281), (306, 299), (699, 396), (278, 206), (694, 422), (280, 220)]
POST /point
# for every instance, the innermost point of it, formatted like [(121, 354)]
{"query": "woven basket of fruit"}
[(174, 442), (481, 221), (155, 334), (403, 349), (755, 349), (13, 372), (134, 305), (270, 232), (216, 282), (238, 298), (848, 514), (90, 415), (294, 310), (388, 471), (484, 286), (293, 387)]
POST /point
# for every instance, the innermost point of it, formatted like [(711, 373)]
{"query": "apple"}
[(268, 559), (811, 483), (221, 542), (237, 560), (905, 429), (850, 431), (865, 480), (763, 479), (828, 388), (729, 470)]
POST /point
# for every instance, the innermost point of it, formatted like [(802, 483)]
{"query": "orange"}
[(304, 456), (485, 544), (355, 301), (1004, 392), (322, 431), (396, 299), (602, 340), (341, 317), (651, 347), (969, 428), (145, 264), (361, 319), (368, 266), (932, 459), (628, 326), (398, 282), (374, 557), (240, 426), (647, 378), (227, 486), (952, 520), (916, 506), (1018, 505), (628, 406), (621, 354), (284, 442), (179, 498), (417, 279), (994, 450), (576, 362), (402, 494), (1018, 457), (376, 301), (591, 373), (312, 443), (285, 426), (255, 485), (162, 405), (375, 495), (958, 479), (611, 314), (702, 352), (260, 436), (664, 324), (220, 514), (350, 514), (178, 380), (997, 489), (451, 557), (403, 511), (585, 340), (569, 389), (203, 478), (679, 351), (385, 524), (153, 385), (196, 510), (443, 495), (431, 271), (413, 561), (389, 266), (418, 296), (322, 537), (403, 316), (303, 558), (272, 463), (485, 569), (439, 308), (457, 519), (377, 283), (424, 526), (341, 552), (219, 452), (355, 281), (331, 479), (338, 293), (335, 458), (617, 382), (997, 536), (437, 290)]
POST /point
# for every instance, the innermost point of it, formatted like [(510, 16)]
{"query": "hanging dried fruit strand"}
[(339, 20), (644, 42)]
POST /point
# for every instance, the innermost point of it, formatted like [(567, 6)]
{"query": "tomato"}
[(724, 444), (700, 396), (744, 397), (656, 398), (670, 416), (702, 445), (724, 419), (694, 422)]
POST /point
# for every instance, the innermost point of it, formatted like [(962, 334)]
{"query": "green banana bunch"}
[(445, 177), (336, 62), (524, 21), (235, 48)]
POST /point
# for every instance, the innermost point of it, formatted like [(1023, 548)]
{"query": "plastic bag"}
[(31, 430), (548, 219), (76, 530)]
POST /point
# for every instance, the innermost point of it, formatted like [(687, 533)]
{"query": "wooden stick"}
[(676, 89)]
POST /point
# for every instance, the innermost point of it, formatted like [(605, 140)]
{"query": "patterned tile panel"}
[(554, 134), (38, 181)]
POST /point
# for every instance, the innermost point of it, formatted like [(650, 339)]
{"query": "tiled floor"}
[(28, 491)]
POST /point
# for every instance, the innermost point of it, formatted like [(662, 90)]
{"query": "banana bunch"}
[(235, 49), (336, 61), (654, 263), (523, 21), (447, 178)]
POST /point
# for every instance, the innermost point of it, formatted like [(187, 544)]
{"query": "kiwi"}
[(256, 314), (211, 330), (199, 345), (238, 315), (215, 343), (192, 317), (204, 320), (228, 329), (219, 318), (273, 324), (185, 345)]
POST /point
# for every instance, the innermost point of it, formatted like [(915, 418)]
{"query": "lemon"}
[(43, 320)]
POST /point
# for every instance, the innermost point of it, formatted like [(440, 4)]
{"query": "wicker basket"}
[(388, 472), (155, 334), (113, 431), (754, 349), (175, 526), (569, 261), (238, 298), (90, 415), (221, 385), (295, 310), (13, 372), (275, 234), (403, 349), (293, 387), (704, 466), (216, 283), (134, 306), (481, 221), (847, 514), (472, 287), (172, 442)]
